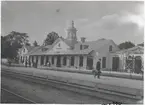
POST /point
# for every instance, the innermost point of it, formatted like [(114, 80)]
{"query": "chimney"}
[(83, 39)]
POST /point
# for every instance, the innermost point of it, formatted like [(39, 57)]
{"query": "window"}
[(59, 45), (24, 50), (110, 48), (81, 61), (104, 62)]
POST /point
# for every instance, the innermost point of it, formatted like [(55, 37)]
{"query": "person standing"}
[(98, 67)]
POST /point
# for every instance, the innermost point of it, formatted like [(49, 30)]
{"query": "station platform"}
[(120, 85), (85, 71), (138, 84)]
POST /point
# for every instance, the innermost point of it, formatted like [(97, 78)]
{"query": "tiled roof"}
[(38, 50), (93, 45), (29, 48), (33, 50)]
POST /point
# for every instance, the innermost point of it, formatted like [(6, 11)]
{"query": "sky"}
[(117, 20)]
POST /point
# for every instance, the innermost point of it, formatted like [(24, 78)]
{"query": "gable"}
[(106, 47), (23, 51), (60, 46)]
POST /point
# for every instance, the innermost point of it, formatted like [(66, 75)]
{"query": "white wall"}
[(63, 47), (104, 52)]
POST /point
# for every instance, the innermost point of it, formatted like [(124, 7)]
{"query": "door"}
[(58, 61), (115, 63), (104, 62), (42, 60), (138, 64), (89, 63)]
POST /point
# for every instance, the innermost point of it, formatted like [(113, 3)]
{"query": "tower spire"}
[(72, 23), (71, 32)]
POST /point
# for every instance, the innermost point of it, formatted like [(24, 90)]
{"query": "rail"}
[(20, 96)]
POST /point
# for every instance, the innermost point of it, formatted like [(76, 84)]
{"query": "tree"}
[(51, 37), (142, 44), (11, 43), (126, 45), (28, 44), (35, 43)]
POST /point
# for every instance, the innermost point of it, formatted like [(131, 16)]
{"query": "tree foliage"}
[(142, 44), (126, 45), (35, 43), (51, 37), (12, 42), (28, 44)]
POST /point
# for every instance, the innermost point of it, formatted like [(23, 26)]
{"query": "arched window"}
[(110, 48)]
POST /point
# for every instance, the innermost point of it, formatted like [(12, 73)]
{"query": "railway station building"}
[(69, 52)]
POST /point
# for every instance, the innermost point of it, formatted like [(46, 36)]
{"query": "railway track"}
[(12, 97), (113, 97)]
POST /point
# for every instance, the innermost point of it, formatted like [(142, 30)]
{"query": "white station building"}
[(70, 53)]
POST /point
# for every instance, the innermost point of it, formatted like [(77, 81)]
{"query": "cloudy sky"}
[(119, 21)]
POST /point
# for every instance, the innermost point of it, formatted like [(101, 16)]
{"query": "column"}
[(55, 61), (50, 60), (84, 62), (68, 61), (77, 62), (35, 59), (94, 62), (62, 60), (44, 63), (39, 60), (124, 62), (19, 59), (29, 58)]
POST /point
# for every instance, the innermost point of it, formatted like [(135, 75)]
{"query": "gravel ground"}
[(45, 94)]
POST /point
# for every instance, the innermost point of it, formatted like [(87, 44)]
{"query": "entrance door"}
[(89, 63), (42, 60), (138, 64), (115, 63), (58, 61)]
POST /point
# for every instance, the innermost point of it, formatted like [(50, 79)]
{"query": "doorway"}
[(115, 63), (138, 64), (89, 63), (58, 64), (42, 60)]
